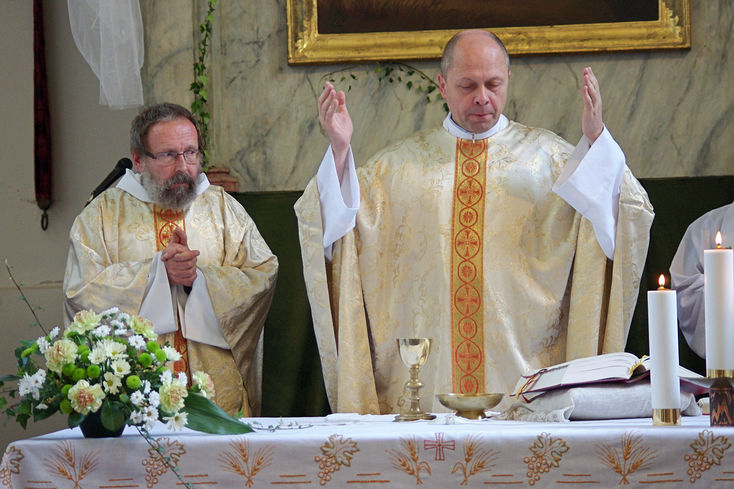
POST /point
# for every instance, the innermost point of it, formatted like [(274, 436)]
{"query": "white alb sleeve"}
[(590, 183), (339, 202)]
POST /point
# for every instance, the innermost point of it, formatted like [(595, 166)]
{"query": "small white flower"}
[(97, 355), (183, 378), (177, 421), (25, 385), (112, 311), (137, 341), (124, 317), (151, 416), (166, 377), (146, 386), (101, 331), (41, 406), (120, 367), (120, 332), (154, 399), (137, 398), (171, 354), (112, 383), (117, 324), (43, 344), (38, 379), (136, 417), (54, 332), (113, 349)]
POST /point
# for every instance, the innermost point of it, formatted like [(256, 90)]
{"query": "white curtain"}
[(109, 34)]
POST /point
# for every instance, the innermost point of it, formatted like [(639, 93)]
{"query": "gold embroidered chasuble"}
[(544, 292), (113, 242)]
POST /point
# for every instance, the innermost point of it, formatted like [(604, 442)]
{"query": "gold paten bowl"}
[(470, 406)]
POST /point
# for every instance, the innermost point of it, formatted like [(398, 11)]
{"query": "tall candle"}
[(662, 321), (718, 269)]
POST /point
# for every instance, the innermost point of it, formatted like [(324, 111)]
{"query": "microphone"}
[(116, 173)]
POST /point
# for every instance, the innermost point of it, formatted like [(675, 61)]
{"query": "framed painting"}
[(355, 31)]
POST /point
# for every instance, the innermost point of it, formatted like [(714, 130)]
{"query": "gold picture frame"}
[(671, 30)]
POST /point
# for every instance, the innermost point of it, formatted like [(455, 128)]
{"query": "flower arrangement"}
[(110, 363)]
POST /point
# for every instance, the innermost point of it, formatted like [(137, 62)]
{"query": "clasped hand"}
[(179, 260)]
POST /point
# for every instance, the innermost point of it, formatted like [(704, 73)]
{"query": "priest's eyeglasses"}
[(168, 158)]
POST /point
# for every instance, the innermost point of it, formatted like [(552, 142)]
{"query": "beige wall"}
[(87, 140), (672, 111)]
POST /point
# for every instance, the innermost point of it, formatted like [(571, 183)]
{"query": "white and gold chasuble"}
[(464, 242), (113, 242)]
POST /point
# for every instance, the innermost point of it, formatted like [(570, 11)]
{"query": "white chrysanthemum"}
[(183, 378), (41, 406), (54, 332), (102, 331), (112, 311), (137, 398), (111, 383), (98, 355), (137, 417), (120, 367), (25, 387), (177, 421), (166, 376), (124, 317), (114, 349), (121, 332), (38, 378), (137, 341), (43, 345), (154, 399), (146, 386), (151, 416), (171, 354)]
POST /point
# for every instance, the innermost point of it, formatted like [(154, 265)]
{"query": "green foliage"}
[(199, 107), (393, 72)]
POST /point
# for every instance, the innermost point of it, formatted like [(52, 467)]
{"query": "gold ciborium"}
[(413, 353)]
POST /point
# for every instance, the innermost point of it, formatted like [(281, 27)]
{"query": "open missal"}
[(609, 367)]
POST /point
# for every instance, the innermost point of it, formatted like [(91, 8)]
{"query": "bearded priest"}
[(167, 245)]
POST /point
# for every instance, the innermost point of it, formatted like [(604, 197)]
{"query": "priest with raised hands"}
[(509, 247), (167, 245)]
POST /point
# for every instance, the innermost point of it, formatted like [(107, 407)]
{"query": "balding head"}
[(448, 51)]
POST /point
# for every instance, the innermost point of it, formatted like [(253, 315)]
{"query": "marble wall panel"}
[(672, 111)]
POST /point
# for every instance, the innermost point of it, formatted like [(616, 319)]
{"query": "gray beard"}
[(165, 194)]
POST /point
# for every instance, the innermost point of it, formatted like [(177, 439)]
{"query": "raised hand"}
[(334, 119), (179, 260), (592, 124)]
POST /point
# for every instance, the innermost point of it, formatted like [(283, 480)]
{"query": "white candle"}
[(662, 321), (718, 269)]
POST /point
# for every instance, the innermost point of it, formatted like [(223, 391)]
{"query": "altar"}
[(345, 450)]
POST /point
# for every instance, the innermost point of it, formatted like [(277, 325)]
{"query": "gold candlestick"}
[(413, 353)]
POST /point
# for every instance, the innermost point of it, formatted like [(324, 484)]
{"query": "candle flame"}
[(718, 239), (661, 281)]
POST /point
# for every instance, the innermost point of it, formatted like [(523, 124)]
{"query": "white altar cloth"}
[(372, 451)]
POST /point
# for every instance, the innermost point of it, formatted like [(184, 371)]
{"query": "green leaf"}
[(113, 419), (205, 416), (75, 419)]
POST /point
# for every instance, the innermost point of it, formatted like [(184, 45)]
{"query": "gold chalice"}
[(413, 353)]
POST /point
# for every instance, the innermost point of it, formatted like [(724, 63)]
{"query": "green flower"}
[(132, 382)]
